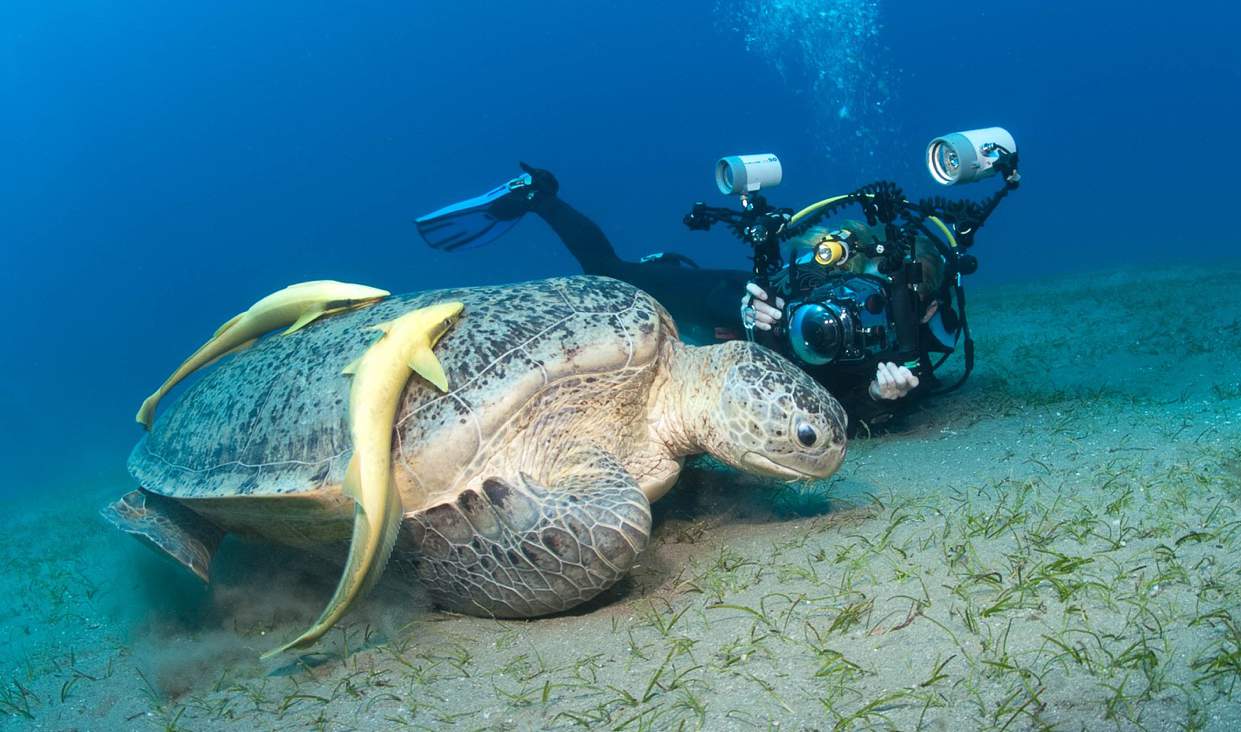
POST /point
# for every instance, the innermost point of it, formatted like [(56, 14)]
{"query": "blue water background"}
[(165, 164)]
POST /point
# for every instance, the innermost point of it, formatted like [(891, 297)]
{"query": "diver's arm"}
[(861, 408), (718, 294), (864, 406)]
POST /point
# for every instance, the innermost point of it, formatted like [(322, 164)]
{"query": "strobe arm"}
[(967, 216), (758, 225)]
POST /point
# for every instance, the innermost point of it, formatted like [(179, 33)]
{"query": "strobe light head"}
[(964, 157), (747, 173)]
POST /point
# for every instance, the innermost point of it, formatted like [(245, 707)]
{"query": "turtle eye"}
[(806, 434)]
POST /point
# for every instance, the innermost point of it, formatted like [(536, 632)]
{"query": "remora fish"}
[(379, 378), (297, 305)]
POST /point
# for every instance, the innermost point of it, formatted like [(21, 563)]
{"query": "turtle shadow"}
[(714, 494)]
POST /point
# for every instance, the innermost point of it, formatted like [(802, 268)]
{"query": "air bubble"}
[(831, 49)]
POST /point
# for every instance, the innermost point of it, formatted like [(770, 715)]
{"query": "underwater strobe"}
[(742, 174), (964, 157)]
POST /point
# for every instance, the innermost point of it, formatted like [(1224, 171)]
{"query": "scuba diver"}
[(704, 302), (870, 309)]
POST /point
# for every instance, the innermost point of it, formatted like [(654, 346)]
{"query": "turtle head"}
[(767, 416)]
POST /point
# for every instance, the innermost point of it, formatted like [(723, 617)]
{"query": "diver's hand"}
[(892, 382), (765, 316), (541, 180)]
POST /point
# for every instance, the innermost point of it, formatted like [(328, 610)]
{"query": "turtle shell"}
[(272, 420)]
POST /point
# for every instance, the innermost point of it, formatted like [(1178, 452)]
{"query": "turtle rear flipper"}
[(169, 527), (518, 549)]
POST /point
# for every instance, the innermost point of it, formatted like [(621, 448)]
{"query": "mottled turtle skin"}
[(526, 488)]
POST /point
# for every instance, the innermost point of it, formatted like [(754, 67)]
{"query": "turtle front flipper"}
[(518, 549), (168, 526)]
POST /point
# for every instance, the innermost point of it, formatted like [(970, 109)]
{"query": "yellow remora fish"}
[(295, 306), (379, 378)]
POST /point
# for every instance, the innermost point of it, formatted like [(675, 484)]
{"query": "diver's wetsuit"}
[(706, 304)]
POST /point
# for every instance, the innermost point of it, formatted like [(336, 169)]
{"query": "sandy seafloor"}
[(1056, 546)]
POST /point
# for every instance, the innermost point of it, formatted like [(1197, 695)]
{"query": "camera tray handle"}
[(757, 224)]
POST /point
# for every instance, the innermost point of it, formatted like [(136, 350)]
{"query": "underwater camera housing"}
[(833, 315), (836, 316), (847, 319)]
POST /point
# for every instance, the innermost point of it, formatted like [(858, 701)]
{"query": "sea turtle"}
[(526, 488)]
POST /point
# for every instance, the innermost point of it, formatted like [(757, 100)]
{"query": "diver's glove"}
[(524, 192)]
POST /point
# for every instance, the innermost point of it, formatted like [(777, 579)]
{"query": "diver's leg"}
[(704, 298), (518, 548), (581, 236)]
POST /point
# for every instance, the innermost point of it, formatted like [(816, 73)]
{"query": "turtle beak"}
[(824, 467), (764, 465)]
